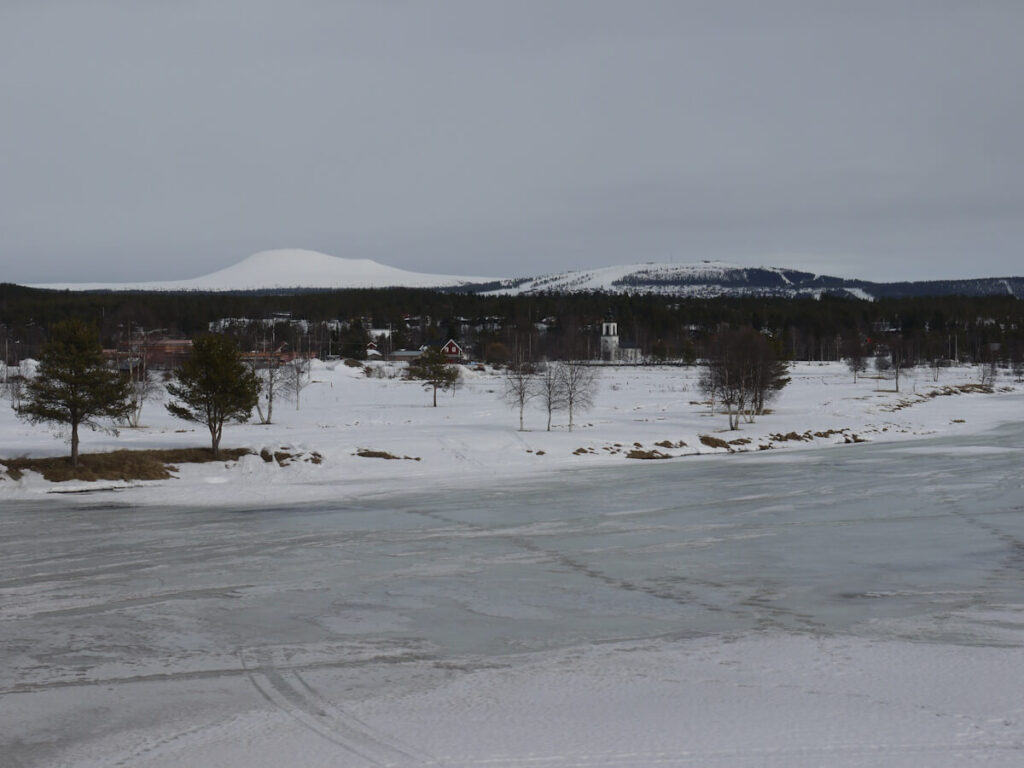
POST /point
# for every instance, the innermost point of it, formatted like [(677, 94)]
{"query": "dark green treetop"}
[(434, 370), (73, 384), (214, 386)]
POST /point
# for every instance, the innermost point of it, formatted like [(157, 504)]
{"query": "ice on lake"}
[(856, 606)]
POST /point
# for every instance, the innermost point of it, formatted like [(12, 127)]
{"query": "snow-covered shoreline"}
[(471, 438)]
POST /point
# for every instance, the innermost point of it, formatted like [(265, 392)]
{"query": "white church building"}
[(611, 351)]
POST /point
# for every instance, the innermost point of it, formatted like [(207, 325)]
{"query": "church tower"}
[(609, 339)]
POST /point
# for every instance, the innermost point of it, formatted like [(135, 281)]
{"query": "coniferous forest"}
[(498, 328)]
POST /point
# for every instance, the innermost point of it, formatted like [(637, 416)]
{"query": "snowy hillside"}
[(713, 278), (288, 268), (303, 269)]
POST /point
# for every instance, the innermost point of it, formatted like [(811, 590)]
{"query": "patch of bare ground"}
[(367, 453), (638, 453), (670, 444), (944, 391), (963, 389), (715, 442), (284, 457), (121, 465), (807, 436)]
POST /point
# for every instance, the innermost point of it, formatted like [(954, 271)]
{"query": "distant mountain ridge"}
[(297, 269), (710, 279), (285, 269)]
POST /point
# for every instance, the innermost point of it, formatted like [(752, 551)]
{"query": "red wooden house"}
[(452, 351)]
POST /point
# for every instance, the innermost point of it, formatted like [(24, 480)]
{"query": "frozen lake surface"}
[(849, 606)]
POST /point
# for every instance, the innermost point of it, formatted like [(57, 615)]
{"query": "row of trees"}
[(570, 386), (74, 386)]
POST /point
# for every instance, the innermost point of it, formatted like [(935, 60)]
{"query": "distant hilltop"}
[(297, 269), (289, 268)]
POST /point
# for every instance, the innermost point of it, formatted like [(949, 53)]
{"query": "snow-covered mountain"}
[(714, 278), (310, 270), (289, 268)]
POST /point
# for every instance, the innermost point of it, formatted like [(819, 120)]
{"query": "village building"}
[(611, 350), (452, 351)]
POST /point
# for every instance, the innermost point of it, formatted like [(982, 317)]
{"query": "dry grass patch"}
[(118, 465), (715, 442), (367, 453), (636, 453), (779, 437)]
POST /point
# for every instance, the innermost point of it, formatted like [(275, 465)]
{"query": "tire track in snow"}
[(288, 691)]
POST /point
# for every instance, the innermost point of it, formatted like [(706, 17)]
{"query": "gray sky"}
[(161, 140)]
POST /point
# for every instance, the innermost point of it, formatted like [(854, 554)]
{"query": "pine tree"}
[(214, 387), (73, 384), (434, 371)]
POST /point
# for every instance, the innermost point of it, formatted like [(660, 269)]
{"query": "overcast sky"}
[(161, 140)]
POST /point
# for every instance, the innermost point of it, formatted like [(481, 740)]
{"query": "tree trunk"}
[(215, 434), (74, 444), (435, 395), (521, 418)]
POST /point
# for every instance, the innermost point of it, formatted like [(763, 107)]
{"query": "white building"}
[(610, 349)]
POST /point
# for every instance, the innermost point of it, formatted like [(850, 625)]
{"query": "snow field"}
[(472, 437)]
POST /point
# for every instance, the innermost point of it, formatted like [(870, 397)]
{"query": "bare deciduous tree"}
[(550, 390), (743, 370), (901, 358), (143, 385), (520, 387), (856, 360), (579, 386), (271, 375), (295, 378)]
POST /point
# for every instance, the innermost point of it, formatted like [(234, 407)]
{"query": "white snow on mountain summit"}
[(288, 268)]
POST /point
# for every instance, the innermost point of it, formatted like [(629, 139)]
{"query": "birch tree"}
[(579, 386), (520, 387), (550, 389), (271, 375), (295, 378)]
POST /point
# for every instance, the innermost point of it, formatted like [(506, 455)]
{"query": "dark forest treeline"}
[(662, 326)]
